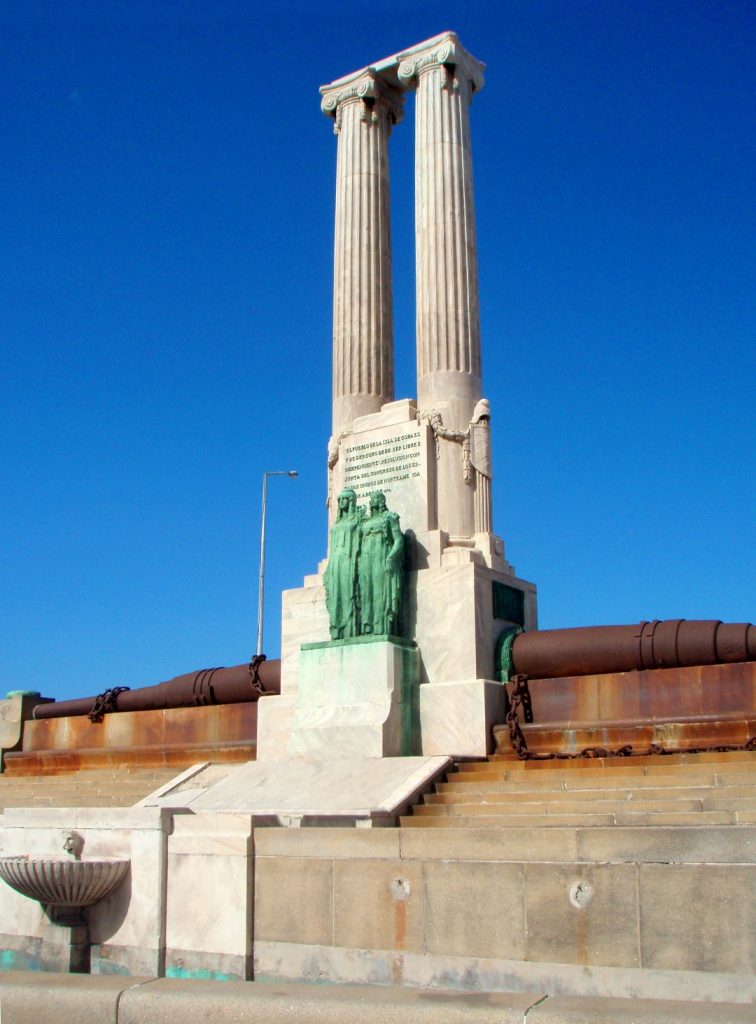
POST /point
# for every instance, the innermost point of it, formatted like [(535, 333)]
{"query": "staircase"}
[(626, 877), (678, 789), (95, 787)]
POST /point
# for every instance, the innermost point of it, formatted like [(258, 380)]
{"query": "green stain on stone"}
[(14, 960), (410, 702), (200, 974)]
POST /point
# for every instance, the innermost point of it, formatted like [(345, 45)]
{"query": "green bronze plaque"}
[(508, 603)]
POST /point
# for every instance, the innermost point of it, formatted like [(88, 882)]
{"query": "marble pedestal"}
[(355, 697), (455, 612)]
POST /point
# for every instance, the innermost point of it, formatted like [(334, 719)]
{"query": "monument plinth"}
[(357, 697)]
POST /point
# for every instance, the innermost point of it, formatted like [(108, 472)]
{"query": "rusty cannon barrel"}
[(240, 684), (596, 650)]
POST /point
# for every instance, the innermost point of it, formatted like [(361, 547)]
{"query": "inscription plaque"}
[(395, 460)]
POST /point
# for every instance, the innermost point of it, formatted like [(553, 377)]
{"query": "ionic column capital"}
[(444, 51), (367, 88)]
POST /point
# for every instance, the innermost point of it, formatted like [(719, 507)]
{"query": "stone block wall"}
[(420, 908)]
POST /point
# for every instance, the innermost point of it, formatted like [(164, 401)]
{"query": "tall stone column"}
[(364, 108), (448, 322)]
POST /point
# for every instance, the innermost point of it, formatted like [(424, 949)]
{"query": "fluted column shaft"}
[(448, 320), (363, 361)]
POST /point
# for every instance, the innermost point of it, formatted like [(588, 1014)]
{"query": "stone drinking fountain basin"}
[(63, 883), (66, 886)]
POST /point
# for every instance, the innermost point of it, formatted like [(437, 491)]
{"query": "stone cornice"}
[(366, 86), (446, 50)]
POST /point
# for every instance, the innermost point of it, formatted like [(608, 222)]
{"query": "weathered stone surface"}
[(280, 960), (15, 710), (356, 698), (698, 917), (576, 1010), (38, 998), (679, 844), (332, 843), (209, 894), (378, 905), (344, 789), (394, 454), (505, 844), (475, 909), (582, 914), (168, 1001), (35, 997), (457, 717), (294, 900)]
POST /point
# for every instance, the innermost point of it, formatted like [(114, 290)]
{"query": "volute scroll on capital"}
[(370, 90), (448, 53)]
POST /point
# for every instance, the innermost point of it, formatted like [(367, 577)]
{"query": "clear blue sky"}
[(166, 214)]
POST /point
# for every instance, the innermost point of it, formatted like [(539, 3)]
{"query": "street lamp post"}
[(261, 583)]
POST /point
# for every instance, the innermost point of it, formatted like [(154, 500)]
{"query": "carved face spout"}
[(73, 844)]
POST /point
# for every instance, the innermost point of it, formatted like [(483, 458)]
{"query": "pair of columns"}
[(364, 107)]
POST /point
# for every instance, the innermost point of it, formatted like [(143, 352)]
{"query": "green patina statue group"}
[(365, 572)]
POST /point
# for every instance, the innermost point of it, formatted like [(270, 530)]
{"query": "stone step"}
[(83, 784), (70, 802), (516, 805), (528, 821), (595, 780), (87, 788), (494, 793), (84, 777), (714, 762), (594, 785)]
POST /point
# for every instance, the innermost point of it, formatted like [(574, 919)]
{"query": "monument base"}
[(355, 697), (458, 718)]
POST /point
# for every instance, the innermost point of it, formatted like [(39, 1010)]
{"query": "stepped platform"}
[(577, 877), (714, 788), (94, 787)]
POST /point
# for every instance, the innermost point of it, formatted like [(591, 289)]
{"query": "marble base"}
[(458, 718), (275, 717), (304, 619), (455, 612), (356, 697), (455, 620), (211, 854)]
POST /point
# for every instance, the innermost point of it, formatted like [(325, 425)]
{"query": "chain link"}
[(254, 673), (105, 702)]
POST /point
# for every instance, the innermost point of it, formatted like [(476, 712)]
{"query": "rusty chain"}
[(254, 673), (519, 698), (105, 702)]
